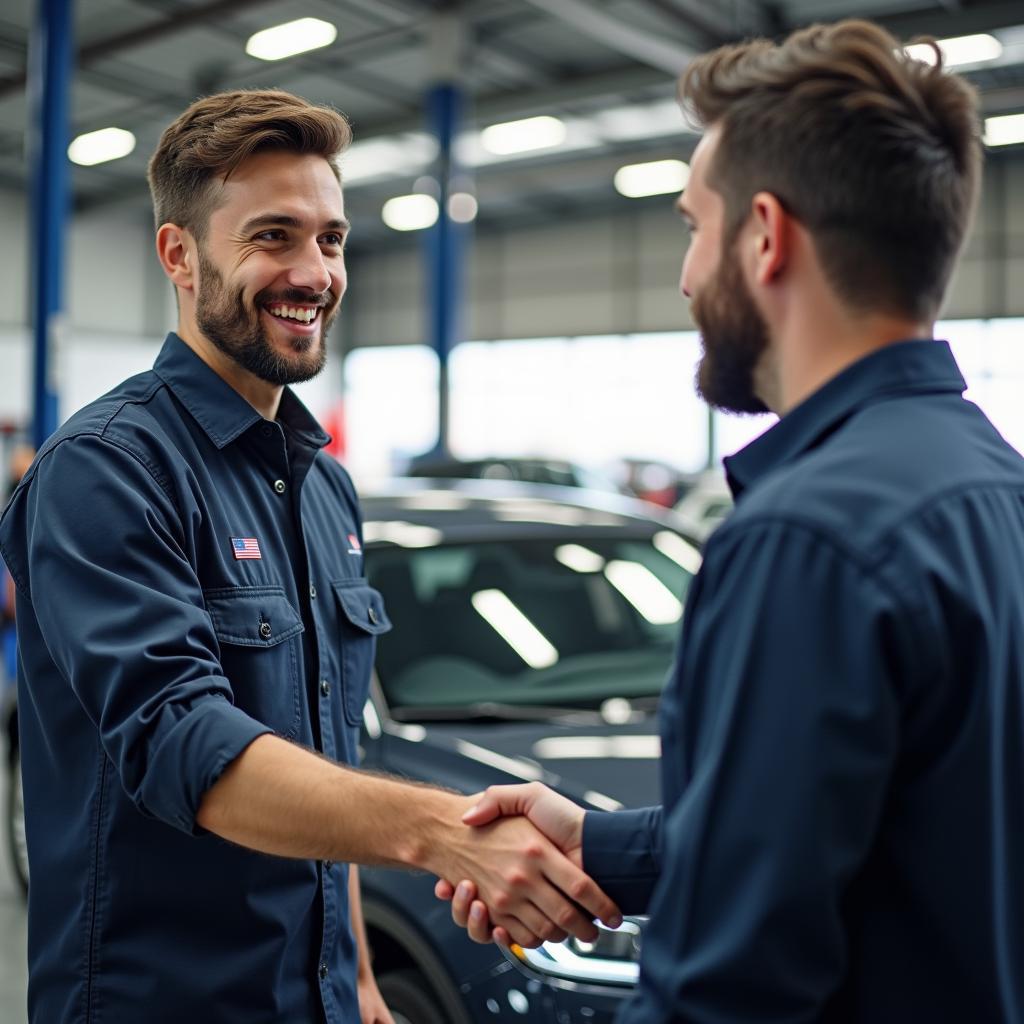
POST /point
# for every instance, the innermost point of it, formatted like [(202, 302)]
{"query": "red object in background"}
[(333, 421)]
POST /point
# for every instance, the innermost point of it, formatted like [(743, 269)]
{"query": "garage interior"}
[(539, 332)]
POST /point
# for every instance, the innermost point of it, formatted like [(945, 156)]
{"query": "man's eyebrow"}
[(284, 220)]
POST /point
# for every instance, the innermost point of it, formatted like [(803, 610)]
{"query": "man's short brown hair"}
[(876, 153), (216, 133)]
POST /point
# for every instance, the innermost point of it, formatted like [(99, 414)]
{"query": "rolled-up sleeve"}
[(121, 610), (779, 738)]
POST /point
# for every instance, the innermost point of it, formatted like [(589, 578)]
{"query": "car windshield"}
[(555, 622)]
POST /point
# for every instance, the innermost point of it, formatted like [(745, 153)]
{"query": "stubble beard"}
[(234, 327), (734, 338)]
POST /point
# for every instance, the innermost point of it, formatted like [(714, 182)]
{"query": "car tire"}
[(410, 998), (16, 847)]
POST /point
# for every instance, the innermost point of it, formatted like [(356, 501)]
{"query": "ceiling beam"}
[(642, 46), (110, 45), (942, 22)]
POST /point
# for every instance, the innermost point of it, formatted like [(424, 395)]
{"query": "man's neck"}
[(818, 342), (263, 397)]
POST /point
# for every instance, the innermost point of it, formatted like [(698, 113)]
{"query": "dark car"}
[(533, 631), (535, 470)]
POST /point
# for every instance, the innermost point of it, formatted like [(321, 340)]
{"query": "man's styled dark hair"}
[(216, 133), (877, 154)]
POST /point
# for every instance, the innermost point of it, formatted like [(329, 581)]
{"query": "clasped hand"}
[(554, 907)]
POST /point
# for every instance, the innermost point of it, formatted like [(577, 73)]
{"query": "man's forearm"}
[(281, 799)]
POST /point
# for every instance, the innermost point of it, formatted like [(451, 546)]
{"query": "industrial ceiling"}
[(606, 68)]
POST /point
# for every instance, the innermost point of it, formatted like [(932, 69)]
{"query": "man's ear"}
[(177, 252), (769, 238)]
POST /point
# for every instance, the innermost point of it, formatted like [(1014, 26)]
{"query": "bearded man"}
[(842, 836), (197, 633)]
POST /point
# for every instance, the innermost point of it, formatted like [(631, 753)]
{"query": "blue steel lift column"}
[(49, 86), (444, 248)]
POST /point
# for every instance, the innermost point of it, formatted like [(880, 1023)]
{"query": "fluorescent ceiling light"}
[(462, 207), (542, 132), (514, 628), (410, 213), (640, 121), (579, 558), (99, 147), (645, 592), (959, 50), (655, 178), (1004, 130), (682, 553), (291, 38), (391, 156)]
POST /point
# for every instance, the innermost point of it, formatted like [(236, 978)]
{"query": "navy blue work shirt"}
[(842, 836), (189, 577)]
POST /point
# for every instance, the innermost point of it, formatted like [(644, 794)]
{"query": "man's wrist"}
[(430, 831)]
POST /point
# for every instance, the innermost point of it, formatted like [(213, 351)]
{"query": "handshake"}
[(541, 893)]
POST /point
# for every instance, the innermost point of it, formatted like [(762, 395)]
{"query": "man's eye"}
[(274, 235), (332, 238)]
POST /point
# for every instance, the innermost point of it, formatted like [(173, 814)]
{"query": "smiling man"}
[(842, 836), (196, 637)]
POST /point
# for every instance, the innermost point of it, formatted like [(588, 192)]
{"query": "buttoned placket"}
[(290, 490), (325, 739)]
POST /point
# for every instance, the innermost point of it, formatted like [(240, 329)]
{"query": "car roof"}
[(465, 510)]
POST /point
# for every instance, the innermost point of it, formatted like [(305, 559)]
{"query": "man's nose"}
[(310, 270)]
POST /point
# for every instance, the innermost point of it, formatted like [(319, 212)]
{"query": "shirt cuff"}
[(622, 853), (192, 757)]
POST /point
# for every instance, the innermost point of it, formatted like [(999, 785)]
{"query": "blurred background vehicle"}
[(653, 480), (706, 503), (533, 630), (537, 470)]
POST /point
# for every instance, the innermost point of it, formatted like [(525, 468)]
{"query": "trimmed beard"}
[(235, 328), (734, 338)]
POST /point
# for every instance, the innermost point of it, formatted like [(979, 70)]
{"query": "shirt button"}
[(372, 615), (279, 486), (267, 430), (323, 971), (265, 630), (312, 590), (325, 687)]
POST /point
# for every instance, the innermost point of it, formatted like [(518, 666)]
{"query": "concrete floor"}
[(13, 969)]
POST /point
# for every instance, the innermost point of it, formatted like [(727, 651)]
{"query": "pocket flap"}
[(362, 605), (252, 616)]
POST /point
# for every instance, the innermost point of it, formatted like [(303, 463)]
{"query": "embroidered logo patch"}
[(245, 547), (354, 547)]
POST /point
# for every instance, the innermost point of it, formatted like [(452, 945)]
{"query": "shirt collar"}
[(217, 407), (902, 368)]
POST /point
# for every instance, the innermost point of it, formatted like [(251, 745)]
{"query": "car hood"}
[(603, 766)]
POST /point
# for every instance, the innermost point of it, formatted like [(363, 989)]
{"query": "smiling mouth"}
[(297, 314)]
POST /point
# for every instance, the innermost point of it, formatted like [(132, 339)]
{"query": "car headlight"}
[(611, 959)]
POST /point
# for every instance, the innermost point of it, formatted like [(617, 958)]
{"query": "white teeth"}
[(302, 315)]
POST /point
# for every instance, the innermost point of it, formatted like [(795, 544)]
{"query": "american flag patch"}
[(245, 547), (353, 545)]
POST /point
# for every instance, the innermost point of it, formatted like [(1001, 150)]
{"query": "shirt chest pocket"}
[(259, 635), (362, 619)]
